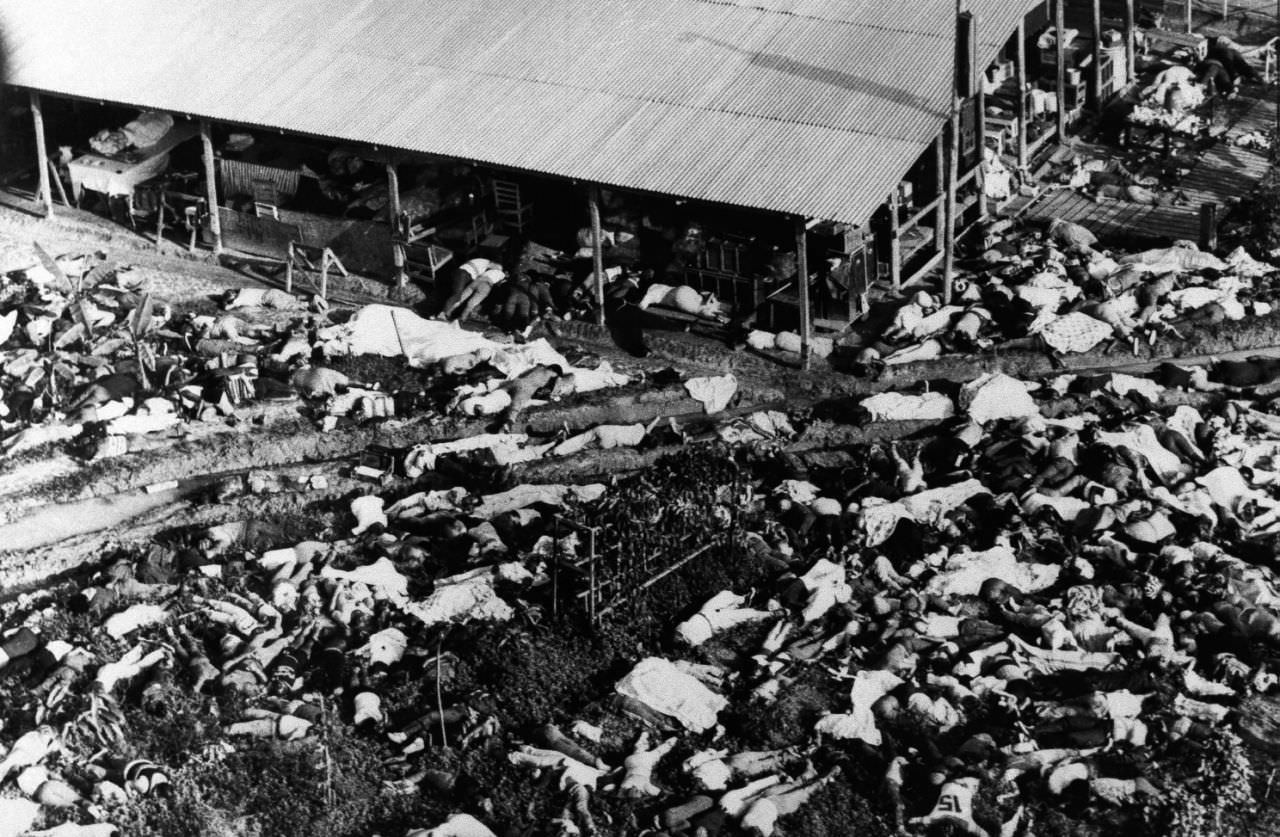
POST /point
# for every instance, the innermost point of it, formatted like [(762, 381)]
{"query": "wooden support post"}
[(393, 207), (57, 181), (857, 271), (1020, 77), (597, 250), (160, 220), (949, 204), (952, 147), (1208, 227), (1190, 23), (42, 155), (978, 80), (895, 243), (802, 287), (288, 270), (211, 185), (940, 187), (1097, 55), (1130, 41), (1060, 59)]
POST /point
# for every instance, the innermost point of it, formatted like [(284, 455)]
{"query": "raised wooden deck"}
[(1220, 174)]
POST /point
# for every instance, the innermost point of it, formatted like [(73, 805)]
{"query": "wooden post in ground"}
[(1130, 40), (895, 243), (802, 287), (211, 185), (978, 86), (940, 187), (42, 155), (1190, 23), (1060, 59), (1020, 77), (949, 204), (57, 181), (952, 146), (1097, 55), (393, 207), (597, 250)]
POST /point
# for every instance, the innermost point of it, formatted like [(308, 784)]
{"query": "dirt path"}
[(53, 523)]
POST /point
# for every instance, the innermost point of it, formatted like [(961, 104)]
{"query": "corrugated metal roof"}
[(811, 107)]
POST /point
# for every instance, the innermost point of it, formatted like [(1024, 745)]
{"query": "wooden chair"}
[(512, 210), (412, 239), (266, 198), (308, 254)]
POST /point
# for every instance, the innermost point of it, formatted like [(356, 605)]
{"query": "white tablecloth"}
[(112, 177)]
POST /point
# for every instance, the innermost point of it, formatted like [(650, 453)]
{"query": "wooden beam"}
[(597, 249), (802, 285), (211, 185), (940, 160), (979, 76), (42, 155), (1130, 41), (952, 163), (393, 208), (1060, 60), (1020, 78), (949, 213), (1097, 55), (895, 243), (1190, 22)]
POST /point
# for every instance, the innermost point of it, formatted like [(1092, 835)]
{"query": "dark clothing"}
[(1173, 376), (1214, 76), (1232, 60), (1246, 373)]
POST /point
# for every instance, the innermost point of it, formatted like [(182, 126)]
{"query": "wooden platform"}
[(1219, 175)]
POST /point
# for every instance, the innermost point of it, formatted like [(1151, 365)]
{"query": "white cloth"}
[(373, 330), (457, 825), (663, 687), (859, 723), (933, 504), (17, 816), (368, 511), (1074, 332), (387, 646), (896, 406), (7, 322), (1068, 508), (713, 393), (605, 437), (995, 395), (70, 829), (506, 449), (1122, 385), (1166, 259), (827, 586), (963, 573), (523, 496), (468, 596), (134, 617), (797, 491), (1141, 439), (722, 611), (113, 177), (444, 499)]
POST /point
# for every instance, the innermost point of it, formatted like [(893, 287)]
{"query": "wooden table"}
[(119, 174)]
